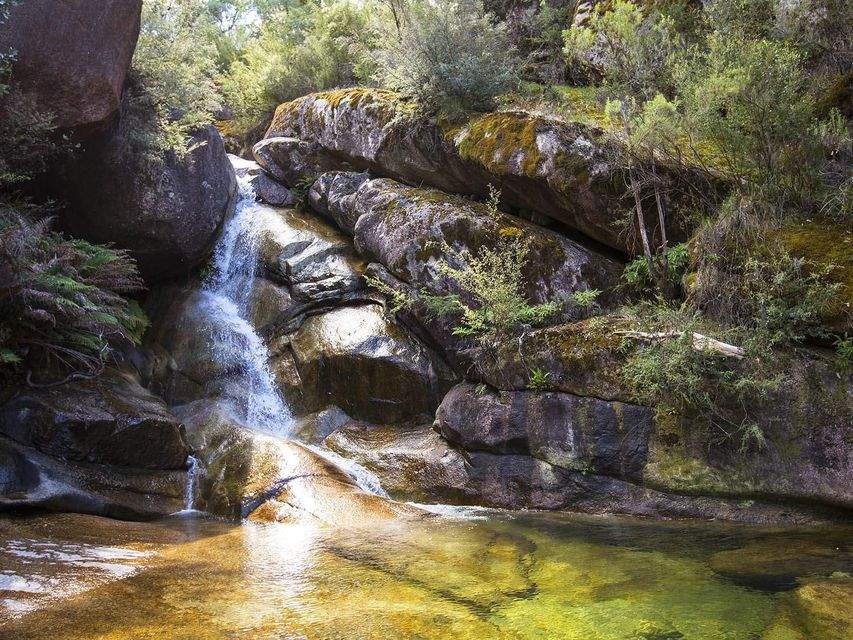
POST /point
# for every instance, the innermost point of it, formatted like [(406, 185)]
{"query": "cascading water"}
[(226, 296), (225, 301)]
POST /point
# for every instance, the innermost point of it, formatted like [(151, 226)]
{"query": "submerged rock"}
[(360, 360), (72, 56), (572, 432), (543, 165)]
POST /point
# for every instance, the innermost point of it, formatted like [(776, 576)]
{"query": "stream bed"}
[(466, 573)]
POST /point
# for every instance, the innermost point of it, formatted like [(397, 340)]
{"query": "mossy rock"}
[(827, 244)]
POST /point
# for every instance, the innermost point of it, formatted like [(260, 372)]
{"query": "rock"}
[(315, 261), (407, 230), (806, 456), (777, 563), (272, 192), (824, 609), (243, 473), (110, 420), (567, 431), (547, 166), (167, 216), (358, 359), (583, 358), (31, 480), (72, 56), (315, 427), (413, 461)]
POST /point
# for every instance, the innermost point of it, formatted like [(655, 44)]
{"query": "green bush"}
[(61, 300), (174, 68), (304, 49), (492, 279), (638, 278), (451, 57)]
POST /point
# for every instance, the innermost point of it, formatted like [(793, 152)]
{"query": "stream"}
[(464, 573)]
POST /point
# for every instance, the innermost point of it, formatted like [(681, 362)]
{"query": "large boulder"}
[(105, 446), (556, 169), (167, 214), (409, 230), (415, 463), (110, 420), (32, 480), (361, 361), (573, 432), (73, 56)]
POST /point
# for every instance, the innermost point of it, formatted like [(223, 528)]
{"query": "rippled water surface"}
[(487, 575)]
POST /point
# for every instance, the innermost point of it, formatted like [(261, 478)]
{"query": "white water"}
[(236, 345), (226, 296)]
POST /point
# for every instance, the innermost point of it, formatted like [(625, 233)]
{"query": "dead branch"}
[(701, 343)]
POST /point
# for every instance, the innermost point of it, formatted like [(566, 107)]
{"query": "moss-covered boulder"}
[(567, 431), (555, 169), (361, 361), (411, 230)]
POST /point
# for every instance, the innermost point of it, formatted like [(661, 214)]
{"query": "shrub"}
[(302, 50), (747, 278), (723, 394), (451, 57), (638, 278), (61, 304), (492, 279), (174, 69)]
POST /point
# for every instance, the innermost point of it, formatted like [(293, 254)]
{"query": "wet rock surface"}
[(363, 362)]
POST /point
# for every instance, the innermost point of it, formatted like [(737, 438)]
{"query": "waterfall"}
[(226, 300)]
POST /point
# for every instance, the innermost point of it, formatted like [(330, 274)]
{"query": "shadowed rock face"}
[(166, 216), (555, 169), (73, 55), (104, 446), (111, 420), (586, 434)]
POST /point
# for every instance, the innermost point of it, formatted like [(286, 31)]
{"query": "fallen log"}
[(701, 343)]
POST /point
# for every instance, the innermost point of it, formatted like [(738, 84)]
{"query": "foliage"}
[(638, 278), (492, 279), (304, 49), (722, 393), (539, 380), (844, 348), (451, 57), (61, 304), (174, 67), (585, 298), (398, 299), (746, 277), (630, 49)]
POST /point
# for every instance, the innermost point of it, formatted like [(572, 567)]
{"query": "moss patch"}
[(498, 139), (826, 244)]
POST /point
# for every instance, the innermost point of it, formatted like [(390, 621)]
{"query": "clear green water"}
[(500, 576)]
